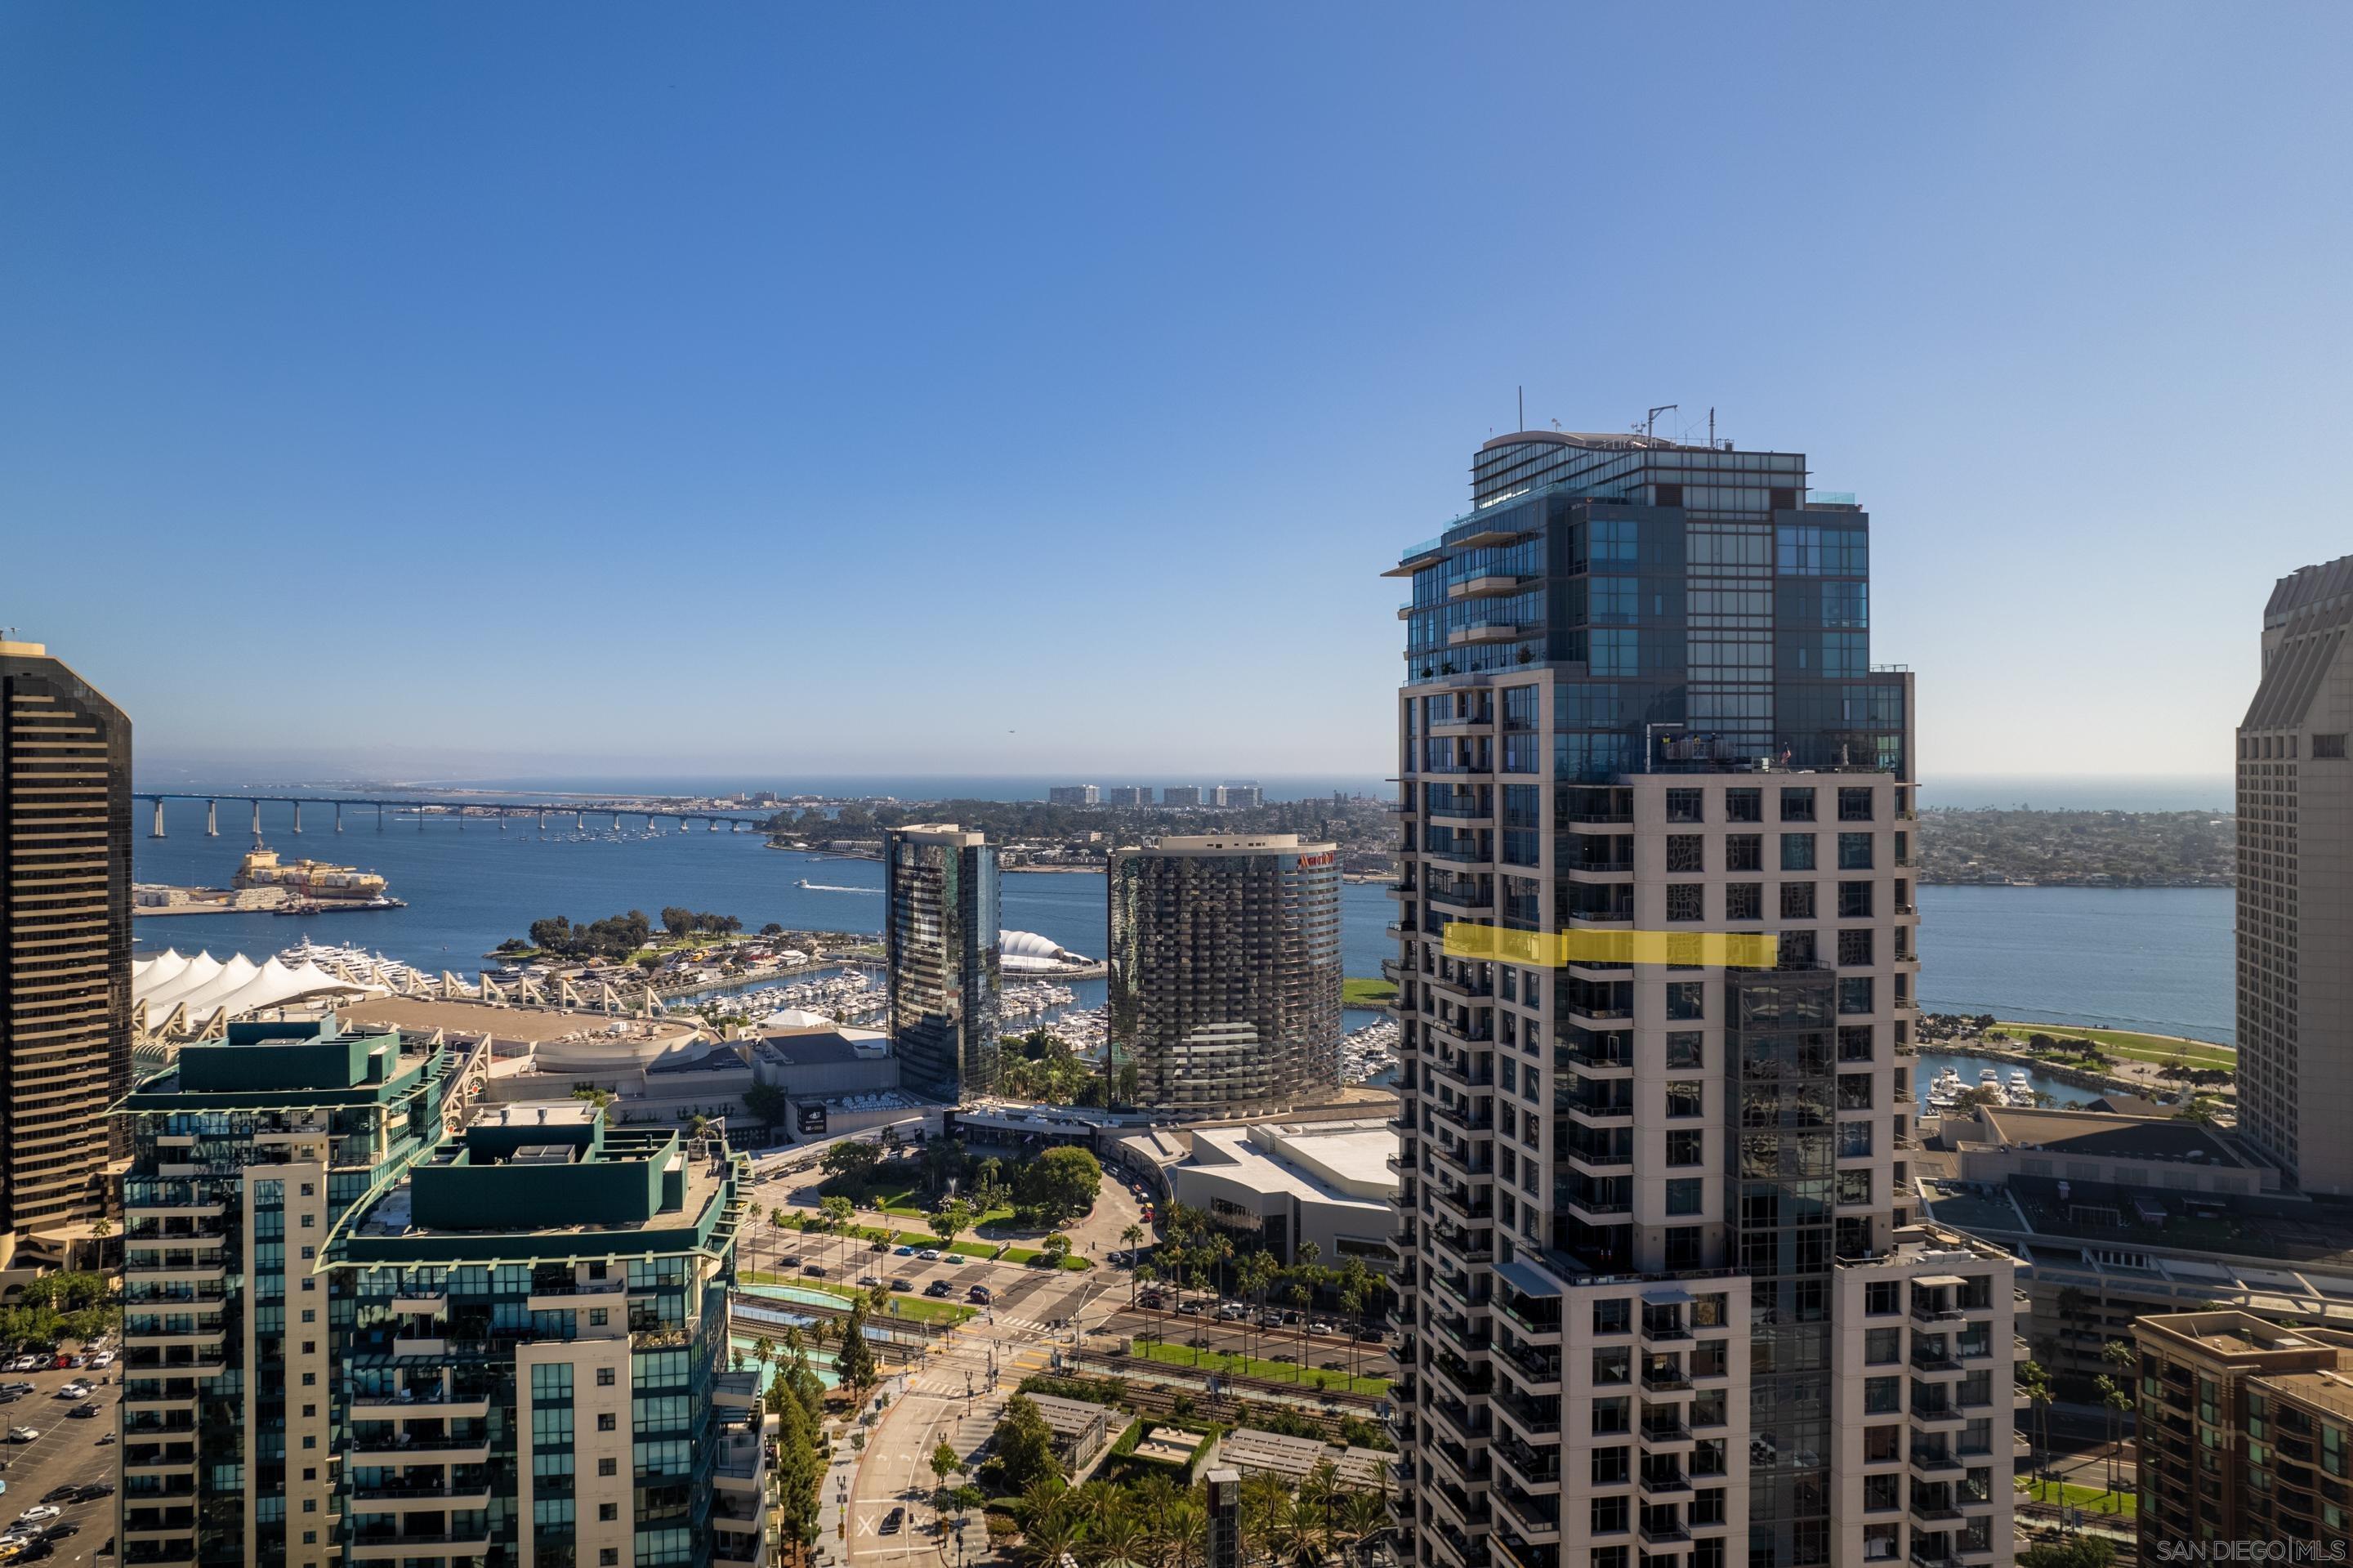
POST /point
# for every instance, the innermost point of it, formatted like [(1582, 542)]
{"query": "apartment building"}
[(2245, 1436), (1224, 970), (941, 924), (353, 1333), (65, 951), (1073, 795), (1656, 936), (2295, 884)]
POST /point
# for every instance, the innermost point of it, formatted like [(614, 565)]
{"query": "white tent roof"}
[(200, 971), (795, 1018), (162, 967), (234, 976), (273, 985)]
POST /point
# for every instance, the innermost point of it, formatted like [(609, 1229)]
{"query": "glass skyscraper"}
[(1664, 1301), (941, 934)]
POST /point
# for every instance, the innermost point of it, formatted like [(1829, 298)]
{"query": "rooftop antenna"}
[(1523, 409), (1650, 420), (1711, 424)]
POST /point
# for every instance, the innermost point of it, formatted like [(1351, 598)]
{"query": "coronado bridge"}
[(462, 811)]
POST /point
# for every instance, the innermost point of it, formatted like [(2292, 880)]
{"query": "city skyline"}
[(573, 358)]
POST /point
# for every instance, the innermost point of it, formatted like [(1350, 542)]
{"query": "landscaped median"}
[(2091, 1499), (1233, 1364)]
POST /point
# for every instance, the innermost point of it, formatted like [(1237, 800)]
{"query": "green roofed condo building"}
[(365, 1321), (1663, 1301)]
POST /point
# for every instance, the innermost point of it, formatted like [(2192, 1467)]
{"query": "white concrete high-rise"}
[(1664, 1301)]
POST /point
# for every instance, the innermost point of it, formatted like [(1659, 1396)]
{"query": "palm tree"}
[(1362, 1516), (1200, 1287), (1145, 1274), (1257, 1274), (2035, 1383), (2119, 1405), (763, 1350), (1044, 1542), (1187, 1528), (1133, 1237), (1299, 1297)]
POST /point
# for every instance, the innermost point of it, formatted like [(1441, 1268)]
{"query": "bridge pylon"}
[(212, 819), (157, 831)]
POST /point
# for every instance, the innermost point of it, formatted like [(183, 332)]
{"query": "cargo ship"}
[(313, 886)]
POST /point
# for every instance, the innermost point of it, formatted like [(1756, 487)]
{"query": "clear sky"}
[(1007, 389)]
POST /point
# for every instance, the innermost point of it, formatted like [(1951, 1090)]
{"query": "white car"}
[(28, 1434), (26, 1363), (40, 1513), (73, 1391), (101, 1361), (929, 1254)]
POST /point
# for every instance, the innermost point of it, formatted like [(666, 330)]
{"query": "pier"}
[(684, 816)]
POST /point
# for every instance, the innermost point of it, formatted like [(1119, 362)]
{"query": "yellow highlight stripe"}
[(1551, 949)]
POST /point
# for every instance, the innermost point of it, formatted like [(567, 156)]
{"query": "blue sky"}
[(1014, 390)]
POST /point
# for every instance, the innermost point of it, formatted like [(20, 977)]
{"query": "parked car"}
[(1152, 1299), (870, 1279), (938, 1287), (60, 1529), (814, 1270), (1190, 1307), (24, 1434), (929, 1254), (83, 1412), (60, 1494), (101, 1361), (96, 1489), (16, 1387), (902, 1283), (905, 1251), (40, 1513)]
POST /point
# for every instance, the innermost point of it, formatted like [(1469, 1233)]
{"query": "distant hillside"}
[(2093, 849)]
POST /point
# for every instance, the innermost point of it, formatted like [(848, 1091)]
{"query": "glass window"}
[(1683, 1194), (1611, 1467), (1855, 805), (1796, 901), (1854, 851), (1855, 901), (1686, 853), (1686, 805), (1683, 900), (1882, 1346), (1686, 1049), (1685, 998), (1685, 1098), (1854, 952), (1797, 805), (1613, 1316), (1744, 901), (1744, 805), (1854, 993), (1686, 1145), (1797, 851), (1744, 851), (1612, 1363)]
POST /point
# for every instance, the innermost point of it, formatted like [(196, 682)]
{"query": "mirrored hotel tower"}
[(1665, 1303)]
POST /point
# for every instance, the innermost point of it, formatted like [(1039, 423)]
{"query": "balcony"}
[(401, 1499), (1483, 632), (386, 1547), (1486, 584)]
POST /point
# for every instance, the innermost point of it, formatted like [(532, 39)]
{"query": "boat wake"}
[(822, 887)]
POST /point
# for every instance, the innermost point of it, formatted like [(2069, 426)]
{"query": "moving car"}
[(83, 1412), (938, 1287), (905, 1251), (902, 1283), (929, 1254), (893, 1519), (981, 1294)]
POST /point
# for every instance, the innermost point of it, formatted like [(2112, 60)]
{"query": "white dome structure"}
[(1026, 951), (209, 989)]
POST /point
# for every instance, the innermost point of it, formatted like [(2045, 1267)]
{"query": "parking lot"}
[(70, 1451)]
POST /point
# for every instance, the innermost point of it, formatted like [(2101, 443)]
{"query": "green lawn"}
[(2130, 1046), (973, 1249), (1368, 992), (2092, 1499), (1251, 1366)]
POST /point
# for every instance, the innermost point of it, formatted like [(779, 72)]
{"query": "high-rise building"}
[(1241, 793), (1224, 972), (1073, 795), (354, 1336), (2296, 885), (1664, 1299), (2245, 1435), (1128, 795), (940, 934), (64, 950), (1181, 795)]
